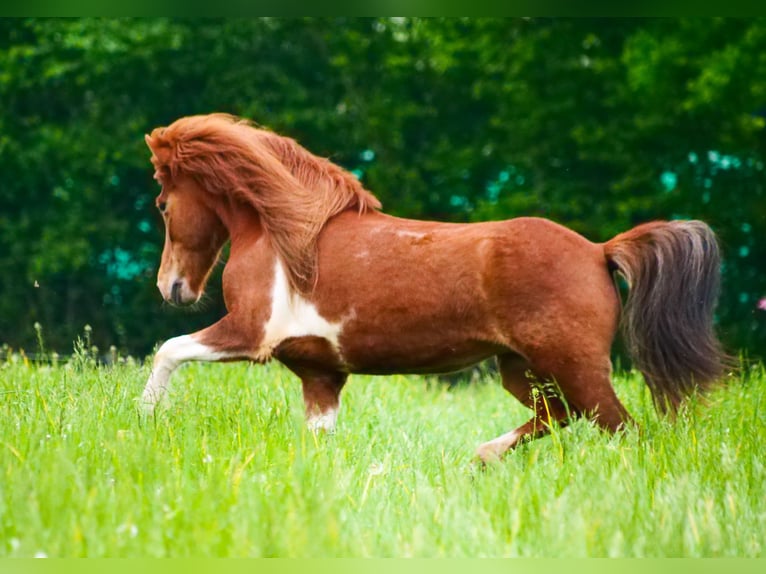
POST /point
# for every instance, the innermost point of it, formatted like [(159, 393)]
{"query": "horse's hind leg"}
[(521, 380), (584, 379), (587, 387)]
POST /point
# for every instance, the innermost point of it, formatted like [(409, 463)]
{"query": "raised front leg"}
[(215, 343), (321, 395)]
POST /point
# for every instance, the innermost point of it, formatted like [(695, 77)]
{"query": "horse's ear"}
[(162, 151), (161, 154)]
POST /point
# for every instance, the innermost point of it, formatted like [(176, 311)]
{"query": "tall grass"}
[(229, 469)]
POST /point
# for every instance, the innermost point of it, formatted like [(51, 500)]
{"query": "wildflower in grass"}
[(377, 468), (762, 304), (128, 528)]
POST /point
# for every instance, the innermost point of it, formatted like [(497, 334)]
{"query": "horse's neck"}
[(250, 262), (242, 223)]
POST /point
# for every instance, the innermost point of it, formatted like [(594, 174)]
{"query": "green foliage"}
[(599, 124), (228, 469)]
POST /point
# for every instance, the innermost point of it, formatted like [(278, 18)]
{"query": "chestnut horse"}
[(319, 279)]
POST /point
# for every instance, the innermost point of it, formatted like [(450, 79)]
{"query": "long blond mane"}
[(294, 191)]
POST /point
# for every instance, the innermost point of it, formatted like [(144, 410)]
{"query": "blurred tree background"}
[(599, 124)]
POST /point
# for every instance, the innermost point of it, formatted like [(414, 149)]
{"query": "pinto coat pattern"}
[(323, 281)]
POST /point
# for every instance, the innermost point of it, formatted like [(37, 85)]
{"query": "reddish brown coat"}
[(321, 280)]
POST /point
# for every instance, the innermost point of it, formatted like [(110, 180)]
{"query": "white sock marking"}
[(323, 421), (169, 357)]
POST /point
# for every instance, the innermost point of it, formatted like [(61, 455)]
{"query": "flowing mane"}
[(294, 191)]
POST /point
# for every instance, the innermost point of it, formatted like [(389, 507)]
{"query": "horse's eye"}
[(162, 205)]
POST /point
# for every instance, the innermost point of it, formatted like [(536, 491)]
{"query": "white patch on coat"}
[(413, 234), (293, 316), (169, 357), (323, 421)]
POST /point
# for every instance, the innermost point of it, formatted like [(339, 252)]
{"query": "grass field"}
[(228, 469)]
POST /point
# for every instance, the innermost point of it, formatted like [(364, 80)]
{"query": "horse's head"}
[(194, 234), (206, 164)]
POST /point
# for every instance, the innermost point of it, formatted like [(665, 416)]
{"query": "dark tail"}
[(672, 270)]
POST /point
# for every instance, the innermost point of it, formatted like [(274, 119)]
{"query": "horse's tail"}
[(672, 271)]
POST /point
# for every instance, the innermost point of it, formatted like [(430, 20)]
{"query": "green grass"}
[(228, 469)]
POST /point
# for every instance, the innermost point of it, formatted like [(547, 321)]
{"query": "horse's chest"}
[(293, 317)]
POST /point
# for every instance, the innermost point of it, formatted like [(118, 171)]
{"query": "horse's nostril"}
[(175, 292)]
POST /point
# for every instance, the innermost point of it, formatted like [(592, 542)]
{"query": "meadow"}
[(228, 469)]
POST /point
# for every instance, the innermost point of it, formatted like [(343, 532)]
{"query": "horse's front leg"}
[(321, 396), (218, 342)]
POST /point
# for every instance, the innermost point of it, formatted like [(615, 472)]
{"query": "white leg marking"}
[(493, 450), (323, 421), (169, 357)]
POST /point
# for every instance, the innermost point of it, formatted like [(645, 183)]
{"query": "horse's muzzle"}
[(175, 292)]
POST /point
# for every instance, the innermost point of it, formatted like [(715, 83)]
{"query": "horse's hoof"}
[(323, 423), (486, 455), (321, 431), (146, 409)]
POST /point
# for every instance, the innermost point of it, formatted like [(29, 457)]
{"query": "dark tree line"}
[(598, 124)]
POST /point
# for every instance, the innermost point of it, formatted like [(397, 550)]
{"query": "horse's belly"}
[(405, 353)]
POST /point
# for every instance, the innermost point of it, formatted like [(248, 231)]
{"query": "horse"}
[(321, 280)]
